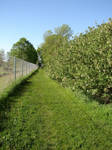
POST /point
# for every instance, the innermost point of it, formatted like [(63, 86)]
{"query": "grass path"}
[(45, 116)]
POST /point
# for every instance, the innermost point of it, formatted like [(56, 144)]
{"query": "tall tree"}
[(2, 56), (47, 33), (64, 31), (24, 49), (55, 42)]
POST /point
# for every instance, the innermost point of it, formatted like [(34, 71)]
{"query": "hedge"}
[(85, 62)]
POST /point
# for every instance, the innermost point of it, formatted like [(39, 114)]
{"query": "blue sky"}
[(31, 18)]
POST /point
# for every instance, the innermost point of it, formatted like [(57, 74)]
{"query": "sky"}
[(32, 18)]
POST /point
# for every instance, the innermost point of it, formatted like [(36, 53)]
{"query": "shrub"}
[(84, 62)]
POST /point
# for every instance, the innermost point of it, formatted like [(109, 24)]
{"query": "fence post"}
[(29, 67), (26, 68), (22, 67), (15, 68)]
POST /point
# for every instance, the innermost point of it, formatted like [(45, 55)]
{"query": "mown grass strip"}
[(12, 89), (45, 116)]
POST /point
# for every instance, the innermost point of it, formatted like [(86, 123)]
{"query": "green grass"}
[(42, 115), (12, 88)]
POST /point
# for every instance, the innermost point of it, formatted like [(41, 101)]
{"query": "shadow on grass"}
[(79, 92), (8, 97)]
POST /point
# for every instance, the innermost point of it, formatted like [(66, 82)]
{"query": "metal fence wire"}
[(13, 68)]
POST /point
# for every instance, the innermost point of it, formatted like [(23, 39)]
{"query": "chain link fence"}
[(12, 68)]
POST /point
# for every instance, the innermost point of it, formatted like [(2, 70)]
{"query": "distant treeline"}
[(21, 49)]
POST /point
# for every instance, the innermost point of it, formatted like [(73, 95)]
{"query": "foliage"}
[(24, 49), (39, 55), (50, 48), (2, 56), (85, 62), (47, 33), (64, 31)]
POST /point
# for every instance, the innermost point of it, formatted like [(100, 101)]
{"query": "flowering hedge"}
[(85, 62)]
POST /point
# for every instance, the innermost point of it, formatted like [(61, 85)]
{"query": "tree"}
[(55, 43), (47, 33), (64, 31), (24, 49), (2, 55), (39, 54)]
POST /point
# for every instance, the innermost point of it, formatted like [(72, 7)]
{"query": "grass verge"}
[(13, 88)]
